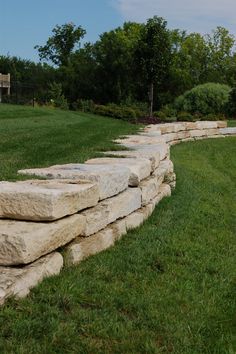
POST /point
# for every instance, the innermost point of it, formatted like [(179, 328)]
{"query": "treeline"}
[(133, 63)]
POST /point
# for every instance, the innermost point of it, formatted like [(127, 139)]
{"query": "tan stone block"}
[(23, 242), (82, 248), (170, 137), (197, 133), (183, 135), (111, 180), (119, 228), (162, 149), (149, 188), (152, 156), (134, 220), (45, 200), (165, 191), (191, 125), (228, 131), (109, 210), (17, 282), (210, 132), (221, 124), (140, 140), (206, 125), (139, 168)]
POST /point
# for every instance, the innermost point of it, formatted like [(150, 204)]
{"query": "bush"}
[(57, 98), (167, 113), (205, 99), (232, 103), (83, 105), (185, 117)]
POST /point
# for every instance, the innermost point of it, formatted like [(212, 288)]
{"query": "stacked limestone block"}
[(86, 208)]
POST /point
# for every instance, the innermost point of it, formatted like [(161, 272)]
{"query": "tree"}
[(153, 54), (61, 44)]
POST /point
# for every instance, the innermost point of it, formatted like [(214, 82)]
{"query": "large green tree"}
[(153, 55), (61, 44)]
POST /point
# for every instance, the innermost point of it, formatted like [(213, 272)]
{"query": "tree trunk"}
[(151, 99)]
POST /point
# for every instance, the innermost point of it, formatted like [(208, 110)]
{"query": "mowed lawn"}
[(167, 287)]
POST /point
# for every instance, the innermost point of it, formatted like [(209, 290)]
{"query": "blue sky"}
[(25, 23)]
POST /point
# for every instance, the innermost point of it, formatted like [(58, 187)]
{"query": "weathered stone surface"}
[(183, 135), (23, 242), (134, 220), (222, 124), (151, 134), (197, 133), (228, 131), (191, 125), (165, 191), (211, 132), (82, 248), (139, 168), (162, 149), (140, 140), (17, 282), (45, 200), (206, 125), (109, 210), (170, 137), (152, 156), (149, 188), (119, 228), (111, 180)]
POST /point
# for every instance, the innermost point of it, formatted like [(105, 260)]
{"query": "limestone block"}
[(23, 242), (170, 137), (183, 135), (211, 132), (172, 185), (228, 131), (152, 156), (140, 140), (190, 125), (165, 191), (197, 133), (119, 228), (151, 134), (147, 210), (45, 200), (221, 124), (174, 142), (109, 210), (170, 177), (162, 149), (139, 168), (149, 188), (134, 220), (111, 180), (82, 248), (17, 282), (206, 125)]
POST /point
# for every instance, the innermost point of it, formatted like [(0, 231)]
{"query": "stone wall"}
[(86, 208)]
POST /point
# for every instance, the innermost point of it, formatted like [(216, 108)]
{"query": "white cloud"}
[(201, 15)]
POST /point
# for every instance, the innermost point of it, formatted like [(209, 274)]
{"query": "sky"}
[(26, 23)]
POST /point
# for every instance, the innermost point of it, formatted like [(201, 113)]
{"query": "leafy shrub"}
[(57, 98), (185, 117), (232, 102), (83, 105), (160, 114), (167, 113), (205, 99)]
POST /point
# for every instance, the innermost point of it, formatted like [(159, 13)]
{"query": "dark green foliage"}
[(232, 102), (185, 117), (205, 99), (56, 96), (60, 46)]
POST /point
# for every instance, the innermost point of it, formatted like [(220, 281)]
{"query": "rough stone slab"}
[(23, 242), (107, 211), (111, 180), (149, 188), (152, 156), (206, 125), (170, 137), (45, 200), (165, 191), (228, 131), (151, 134), (139, 168), (82, 248), (140, 140), (170, 177), (211, 132), (162, 149), (183, 135), (134, 220), (197, 133), (190, 125), (17, 282), (119, 228), (221, 124)]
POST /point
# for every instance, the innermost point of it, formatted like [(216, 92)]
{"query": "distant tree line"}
[(133, 63)]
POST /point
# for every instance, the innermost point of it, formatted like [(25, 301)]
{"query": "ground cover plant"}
[(167, 287)]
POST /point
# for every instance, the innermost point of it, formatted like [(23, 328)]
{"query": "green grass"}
[(167, 287), (232, 123), (42, 137)]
